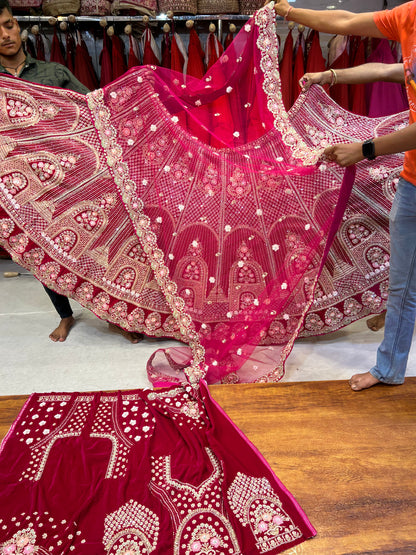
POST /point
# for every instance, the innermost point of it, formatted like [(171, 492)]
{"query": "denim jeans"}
[(394, 350)]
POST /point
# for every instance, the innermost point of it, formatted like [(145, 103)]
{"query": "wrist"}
[(333, 77), (327, 77), (287, 14)]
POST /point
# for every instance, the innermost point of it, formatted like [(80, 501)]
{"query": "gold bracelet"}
[(333, 77)]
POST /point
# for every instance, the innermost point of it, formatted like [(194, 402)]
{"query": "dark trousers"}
[(60, 302)]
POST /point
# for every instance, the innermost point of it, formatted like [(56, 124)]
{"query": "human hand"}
[(320, 78), (345, 154), (281, 7)]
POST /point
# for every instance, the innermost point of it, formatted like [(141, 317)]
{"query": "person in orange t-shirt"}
[(398, 25)]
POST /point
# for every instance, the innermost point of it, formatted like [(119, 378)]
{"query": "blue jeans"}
[(394, 350)]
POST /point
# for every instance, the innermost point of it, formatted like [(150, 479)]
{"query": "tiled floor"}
[(93, 358)]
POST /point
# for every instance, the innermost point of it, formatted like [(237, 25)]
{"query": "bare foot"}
[(363, 381), (60, 333), (131, 336), (377, 322)]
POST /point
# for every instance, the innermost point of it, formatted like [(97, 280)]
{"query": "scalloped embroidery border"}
[(267, 44), (134, 205)]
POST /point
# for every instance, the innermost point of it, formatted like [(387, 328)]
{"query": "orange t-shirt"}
[(398, 24)]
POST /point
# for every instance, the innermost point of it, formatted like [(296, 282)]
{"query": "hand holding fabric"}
[(281, 7), (345, 154), (319, 78)]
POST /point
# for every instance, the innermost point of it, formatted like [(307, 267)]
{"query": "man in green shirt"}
[(15, 62)]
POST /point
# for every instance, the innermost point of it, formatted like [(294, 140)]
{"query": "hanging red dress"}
[(56, 49), (133, 58), (40, 47), (70, 51), (298, 66), (196, 56), (357, 95), (84, 69), (105, 61), (150, 51), (165, 49), (315, 62), (339, 92), (177, 59), (286, 71), (118, 62)]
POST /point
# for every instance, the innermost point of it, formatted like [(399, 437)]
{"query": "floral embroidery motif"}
[(239, 186), (21, 109), (33, 257), (352, 307), (6, 227), (377, 257), (67, 281), (357, 232), (210, 181), (256, 505), (371, 300), (13, 182), (131, 530), (23, 542), (66, 240), (196, 510), (19, 243), (42, 534)]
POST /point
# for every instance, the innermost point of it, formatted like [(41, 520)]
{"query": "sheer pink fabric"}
[(195, 209)]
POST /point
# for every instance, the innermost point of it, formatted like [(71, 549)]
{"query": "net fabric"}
[(193, 209), (354, 280)]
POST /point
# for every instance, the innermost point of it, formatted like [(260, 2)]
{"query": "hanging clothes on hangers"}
[(338, 58), (357, 96), (70, 51), (315, 62), (57, 49), (151, 52), (286, 71), (84, 69), (298, 64), (118, 62), (134, 51), (166, 46), (196, 55), (105, 61), (384, 99)]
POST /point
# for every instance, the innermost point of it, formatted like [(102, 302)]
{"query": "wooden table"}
[(348, 458)]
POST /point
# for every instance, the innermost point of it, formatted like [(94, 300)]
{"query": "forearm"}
[(339, 22), (346, 154), (398, 141), (369, 73)]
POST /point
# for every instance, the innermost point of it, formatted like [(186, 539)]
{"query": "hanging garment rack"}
[(162, 17), (112, 18)]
